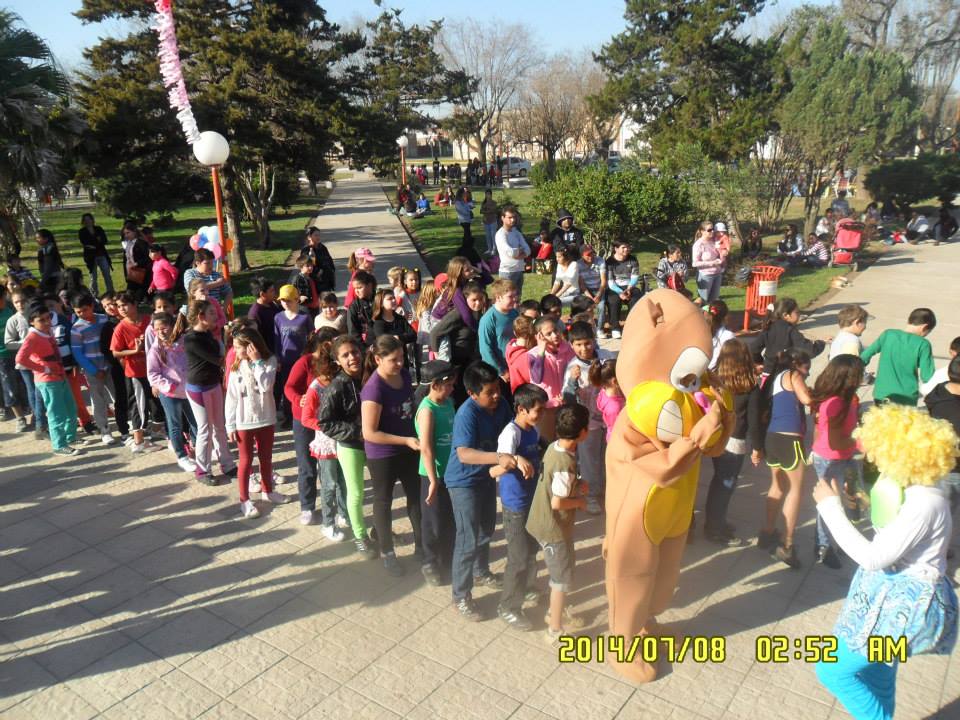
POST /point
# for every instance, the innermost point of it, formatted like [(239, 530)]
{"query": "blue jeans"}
[(475, 515), (174, 411), (101, 263), (491, 233), (333, 491), (306, 467), (866, 689), (726, 471), (34, 399), (516, 278), (708, 286), (833, 470), (11, 386)]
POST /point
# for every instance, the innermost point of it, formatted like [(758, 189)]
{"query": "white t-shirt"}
[(939, 376), (845, 343), (569, 274), (722, 336), (512, 248)]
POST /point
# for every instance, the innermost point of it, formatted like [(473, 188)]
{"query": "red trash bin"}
[(761, 291)]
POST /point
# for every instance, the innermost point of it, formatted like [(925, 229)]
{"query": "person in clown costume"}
[(900, 589)]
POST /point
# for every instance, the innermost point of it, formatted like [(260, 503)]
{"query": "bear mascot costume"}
[(653, 462)]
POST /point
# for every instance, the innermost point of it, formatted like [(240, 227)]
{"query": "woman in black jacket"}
[(49, 261), (339, 419), (95, 256)]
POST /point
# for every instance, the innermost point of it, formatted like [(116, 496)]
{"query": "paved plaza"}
[(127, 590)]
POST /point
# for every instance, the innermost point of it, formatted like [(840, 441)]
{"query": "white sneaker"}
[(331, 533), (254, 479), (281, 479), (306, 517), (277, 498), (186, 464), (249, 510), (106, 439), (138, 448), (128, 440), (617, 334), (342, 522)]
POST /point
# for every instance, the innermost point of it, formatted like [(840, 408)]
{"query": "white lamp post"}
[(402, 141), (212, 150)]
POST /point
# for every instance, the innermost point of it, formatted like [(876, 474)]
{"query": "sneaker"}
[(249, 510), (186, 464), (616, 334), (107, 439), (67, 451), (532, 597), (431, 575), (139, 448), (22, 425), (206, 478), (568, 621), (90, 428), (826, 555), (488, 580), (41, 434), (277, 498), (788, 556), (552, 637), (514, 618), (366, 548), (341, 522), (127, 440), (724, 539), (254, 481), (392, 565), (468, 609), (768, 540), (280, 479), (306, 517), (593, 506), (331, 533), (5, 414)]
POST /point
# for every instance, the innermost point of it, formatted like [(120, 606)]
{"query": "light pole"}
[(212, 150), (402, 141)]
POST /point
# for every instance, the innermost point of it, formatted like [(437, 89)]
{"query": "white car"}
[(518, 167)]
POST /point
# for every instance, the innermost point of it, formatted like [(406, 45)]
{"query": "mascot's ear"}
[(654, 312)]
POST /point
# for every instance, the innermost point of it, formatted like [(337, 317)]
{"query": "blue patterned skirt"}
[(895, 605)]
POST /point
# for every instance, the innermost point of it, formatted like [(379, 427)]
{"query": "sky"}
[(559, 25)]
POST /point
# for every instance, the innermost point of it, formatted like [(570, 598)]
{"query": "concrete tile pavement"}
[(128, 590)]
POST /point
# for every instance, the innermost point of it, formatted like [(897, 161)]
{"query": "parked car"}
[(518, 167)]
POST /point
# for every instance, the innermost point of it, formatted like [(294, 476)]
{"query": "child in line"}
[(127, 346), (360, 311), (520, 439), (295, 389), (118, 386), (943, 402), (717, 314), (291, 328), (495, 329), (408, 294), (903, 353), (425, 321), (559, 494), (218, 287), (735, 372), (11, 386), (387, 321), (15, 332), (39, 354), (49, 261), (167, 374), (264, 310), (205, 393), (530, 308), (900, 589), (852, 320), (940, 375), (546, 367), (250, 416), (197, 290), (610, 399), (782, 334), (302, 280), (524, 338), (60, 329), (577, 388), (85, 348), (339, 418), (836, 409), (473, 493), (785, 393), (460, 335), (331, 315), (163, 302), (551, 305), (360, 260), (164, 274), (434, 426)]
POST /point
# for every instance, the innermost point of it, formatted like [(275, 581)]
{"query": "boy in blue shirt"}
[(473, 493), (85, 346), (519, 438)]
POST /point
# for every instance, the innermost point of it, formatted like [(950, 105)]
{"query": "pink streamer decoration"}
[(171, 70)]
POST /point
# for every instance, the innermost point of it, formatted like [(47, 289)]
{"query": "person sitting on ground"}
[(423, 206), (917, 228), (816, 254), (790, 248), (826, 225), (753, 245), (946, 226)]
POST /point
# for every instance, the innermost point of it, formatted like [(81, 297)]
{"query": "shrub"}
[(539, 172), (907, 181)]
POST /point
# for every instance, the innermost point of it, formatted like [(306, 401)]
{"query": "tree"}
[(38, 128), (906, 181), (682, 74), (498, 57), (396, 76), (845, 107)]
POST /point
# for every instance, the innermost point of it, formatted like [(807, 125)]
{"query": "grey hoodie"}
[(14, 333)]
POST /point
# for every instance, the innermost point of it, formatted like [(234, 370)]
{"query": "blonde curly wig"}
[(907, 445)]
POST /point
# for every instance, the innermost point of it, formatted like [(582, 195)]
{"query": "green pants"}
[(61, 412), (352, 462)]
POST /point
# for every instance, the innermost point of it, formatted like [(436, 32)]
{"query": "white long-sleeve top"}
[(512, 248), (249, 403), (915, 541)]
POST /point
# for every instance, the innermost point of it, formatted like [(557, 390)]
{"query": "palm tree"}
[(37, 127)]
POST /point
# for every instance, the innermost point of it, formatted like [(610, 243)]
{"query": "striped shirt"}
[(85, 343)]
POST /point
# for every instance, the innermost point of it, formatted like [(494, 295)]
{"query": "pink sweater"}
[(40, 354), (164, 275), (547, 370), (610, 407)]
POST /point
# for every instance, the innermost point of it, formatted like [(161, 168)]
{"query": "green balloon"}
[(886, 497)]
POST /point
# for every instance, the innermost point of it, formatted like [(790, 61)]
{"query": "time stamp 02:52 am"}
[(713, 649)]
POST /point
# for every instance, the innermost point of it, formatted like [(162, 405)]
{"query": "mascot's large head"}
[(667, 339)]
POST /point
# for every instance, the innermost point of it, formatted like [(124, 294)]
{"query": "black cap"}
[(436, 370)]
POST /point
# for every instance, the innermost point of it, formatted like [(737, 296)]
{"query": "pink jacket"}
[(547, 370), (164, 275), (39, 353)]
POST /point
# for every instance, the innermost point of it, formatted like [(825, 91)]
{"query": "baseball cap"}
[(364, 254), (288, 292), (720, 227), (436, 370)]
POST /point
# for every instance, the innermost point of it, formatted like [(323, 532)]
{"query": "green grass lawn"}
[(286, 235)]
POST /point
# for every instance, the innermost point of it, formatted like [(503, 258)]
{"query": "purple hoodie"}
[(460, 303)]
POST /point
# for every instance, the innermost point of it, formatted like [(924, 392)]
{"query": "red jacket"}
[(517, 364), (40, 354), (299, 379)]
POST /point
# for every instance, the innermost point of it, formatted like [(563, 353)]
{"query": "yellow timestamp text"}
[(648, 648), (809, 649)]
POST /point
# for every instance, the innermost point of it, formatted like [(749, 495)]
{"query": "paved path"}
[(129, 591)]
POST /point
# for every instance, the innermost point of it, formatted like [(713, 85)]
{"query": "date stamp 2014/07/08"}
[(713, 649)]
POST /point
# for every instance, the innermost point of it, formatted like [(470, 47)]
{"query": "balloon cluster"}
[(170, 68), (208, 237)]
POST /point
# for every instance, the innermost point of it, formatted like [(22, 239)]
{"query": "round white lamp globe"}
[(211, 149), (402, 141)]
